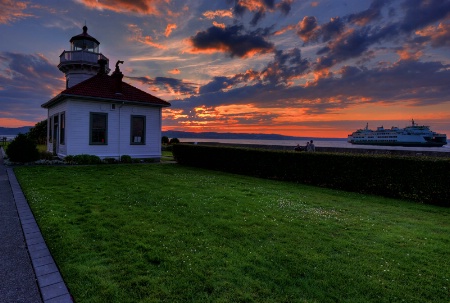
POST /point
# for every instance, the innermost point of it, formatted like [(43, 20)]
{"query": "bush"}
[(69, 159), (45, 155), (22, 149), (109, 160), (174, 141), (126, 159), (165, 140), (84, 159)]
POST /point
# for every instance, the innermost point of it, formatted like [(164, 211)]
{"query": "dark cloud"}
[(369, 15), (261, 7), (388, 84), (217, 84), (257, 16), (332, 29), (171, 85), (285, 6), (348, 86), (233, 40), (351, 44), (355, 41), (307, 29), (310, 31), (420, 13), (27, 81), (285, 66)]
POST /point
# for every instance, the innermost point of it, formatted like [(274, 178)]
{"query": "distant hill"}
[(247, 136), (7, 131)]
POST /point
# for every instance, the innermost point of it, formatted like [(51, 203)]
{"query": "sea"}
[(8, 137), (318, 142)]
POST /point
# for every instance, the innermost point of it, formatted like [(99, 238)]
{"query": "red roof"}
[(104, 88)]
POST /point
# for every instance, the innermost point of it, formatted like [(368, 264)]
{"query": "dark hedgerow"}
[(22, 149), (421, 179)]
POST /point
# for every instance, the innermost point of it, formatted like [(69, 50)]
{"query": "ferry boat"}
[(414, 136)]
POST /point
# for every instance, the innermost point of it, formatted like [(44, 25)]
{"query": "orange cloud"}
[(218, 13), (12, 11), (173, 114), (251, 5), (139, 37), (409, 54), (284, 29), (143, 7), (221, 25), (174, 71), (170, 27), (315, 3), (439, 35)]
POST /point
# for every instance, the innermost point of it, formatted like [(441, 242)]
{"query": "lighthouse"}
[(81, 62)]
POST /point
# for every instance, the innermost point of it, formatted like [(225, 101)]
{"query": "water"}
[(8, 137), (341, 143)]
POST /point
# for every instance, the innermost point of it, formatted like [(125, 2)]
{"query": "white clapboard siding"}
[(118, 138)]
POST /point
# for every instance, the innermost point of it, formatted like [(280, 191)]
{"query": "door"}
[(55, 135)]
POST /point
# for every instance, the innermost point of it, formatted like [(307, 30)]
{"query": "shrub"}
[(45, 155), (69, 159), (174, 141), (22, 149), (109, 160), (165, 140), (84, 159), (126, 159)]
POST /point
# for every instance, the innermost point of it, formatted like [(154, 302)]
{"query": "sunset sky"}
[(318, 68)]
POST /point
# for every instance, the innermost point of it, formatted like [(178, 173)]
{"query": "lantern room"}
[(84, 41), (81, 62)]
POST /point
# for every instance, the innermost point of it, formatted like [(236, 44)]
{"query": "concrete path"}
[(28, 272)]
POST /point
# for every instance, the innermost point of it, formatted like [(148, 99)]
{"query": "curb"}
[(50, 282)]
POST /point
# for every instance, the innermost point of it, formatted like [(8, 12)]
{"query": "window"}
[(137, 130), (62, 131), (98, 129)]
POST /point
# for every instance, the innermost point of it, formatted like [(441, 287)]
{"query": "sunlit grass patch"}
[(165, 233)]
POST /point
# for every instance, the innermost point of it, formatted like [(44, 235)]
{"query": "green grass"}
[(167, 233), (166, 156)]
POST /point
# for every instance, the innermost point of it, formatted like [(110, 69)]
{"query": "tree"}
[(174, 141), (38, 133), (22, 149), (165, 140)]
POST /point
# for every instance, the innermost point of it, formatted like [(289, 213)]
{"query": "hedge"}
[(421, 179)]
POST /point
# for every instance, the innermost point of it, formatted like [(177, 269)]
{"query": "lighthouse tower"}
[(81, 62)]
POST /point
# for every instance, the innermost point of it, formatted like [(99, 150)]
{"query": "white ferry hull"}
[(411, 136)]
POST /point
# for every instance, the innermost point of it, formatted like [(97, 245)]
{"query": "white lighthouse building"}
[(81, 62), (99, 114)]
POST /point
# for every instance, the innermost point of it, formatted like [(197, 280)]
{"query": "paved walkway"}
[(27, 270)]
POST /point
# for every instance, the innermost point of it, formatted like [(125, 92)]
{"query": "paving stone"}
[(53, 291), (45, 269), (50, 279)]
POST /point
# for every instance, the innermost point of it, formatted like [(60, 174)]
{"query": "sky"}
[(320, 68)]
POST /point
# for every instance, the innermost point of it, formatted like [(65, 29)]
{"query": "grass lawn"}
[(167, 233)]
